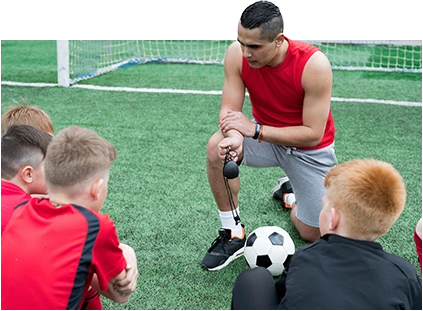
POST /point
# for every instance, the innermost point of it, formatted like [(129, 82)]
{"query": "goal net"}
[(80, 60), (395, 55), (83, 59)]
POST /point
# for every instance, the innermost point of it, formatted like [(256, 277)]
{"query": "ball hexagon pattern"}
[(269, 247)]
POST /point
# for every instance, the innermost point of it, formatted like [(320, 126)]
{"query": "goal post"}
[(62, 47), (83, 59)]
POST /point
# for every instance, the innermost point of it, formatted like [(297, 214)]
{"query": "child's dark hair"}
[(22, 145)]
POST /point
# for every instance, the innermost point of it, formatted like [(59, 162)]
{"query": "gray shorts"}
[(306, 169)]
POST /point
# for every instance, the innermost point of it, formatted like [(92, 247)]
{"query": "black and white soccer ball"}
[(270, 247)]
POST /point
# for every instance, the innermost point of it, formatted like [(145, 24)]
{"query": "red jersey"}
[(11, 196), (49, 255), (277, 95), (418, 243)]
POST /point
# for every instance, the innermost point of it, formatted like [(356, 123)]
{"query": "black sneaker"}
[(223, 250), (281, 189)]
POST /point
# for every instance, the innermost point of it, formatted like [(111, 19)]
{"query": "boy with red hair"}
[(345, 268)]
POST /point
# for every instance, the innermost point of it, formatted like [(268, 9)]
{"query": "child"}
[(51, 249), (30, 115), (345, 268), (418, 241), (26, 114), (23, 150)]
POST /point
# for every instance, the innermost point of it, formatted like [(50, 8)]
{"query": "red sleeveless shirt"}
[(276, 93)]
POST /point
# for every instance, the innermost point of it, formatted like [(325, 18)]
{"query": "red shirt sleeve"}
[(418, 242), (107, 258)]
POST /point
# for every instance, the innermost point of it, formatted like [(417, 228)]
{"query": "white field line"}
[(176, 91)]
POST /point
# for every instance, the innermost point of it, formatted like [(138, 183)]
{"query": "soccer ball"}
[(269, 247)]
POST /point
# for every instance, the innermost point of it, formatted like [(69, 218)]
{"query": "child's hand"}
[(127, 285)]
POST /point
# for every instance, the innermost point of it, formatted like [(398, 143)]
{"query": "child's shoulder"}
[(400, 263), (104, 220), (95, 218)]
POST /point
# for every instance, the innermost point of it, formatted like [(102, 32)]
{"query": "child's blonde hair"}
[(370, 193), (24, 113), (75, 154)]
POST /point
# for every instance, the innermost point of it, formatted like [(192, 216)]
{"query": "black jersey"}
[(341, 273)]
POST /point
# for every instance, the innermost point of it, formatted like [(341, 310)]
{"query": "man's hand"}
[(234, 143), (236, 120)]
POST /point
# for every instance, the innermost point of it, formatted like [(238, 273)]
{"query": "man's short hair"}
[(264, 15)]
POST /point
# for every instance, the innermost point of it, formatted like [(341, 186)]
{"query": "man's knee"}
[(310, 234), (307, 233), (214, 141)]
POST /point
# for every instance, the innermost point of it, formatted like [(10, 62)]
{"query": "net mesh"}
[(374, 55), (89, 58)]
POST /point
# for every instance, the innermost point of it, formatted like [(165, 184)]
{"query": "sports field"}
[(159, 196)]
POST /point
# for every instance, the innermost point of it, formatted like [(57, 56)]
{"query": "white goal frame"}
[(149, 51)]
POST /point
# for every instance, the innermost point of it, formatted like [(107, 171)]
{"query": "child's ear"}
[(96, 187), (26, 174), (335, 216)]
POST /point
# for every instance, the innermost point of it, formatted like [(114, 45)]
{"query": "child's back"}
[(52, 248), (342, 273), (48, 255)]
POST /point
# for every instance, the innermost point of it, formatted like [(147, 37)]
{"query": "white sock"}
[(290, 199), (228, 222)]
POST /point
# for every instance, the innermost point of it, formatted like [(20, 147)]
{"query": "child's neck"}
[(60, 199), (18, 182)]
